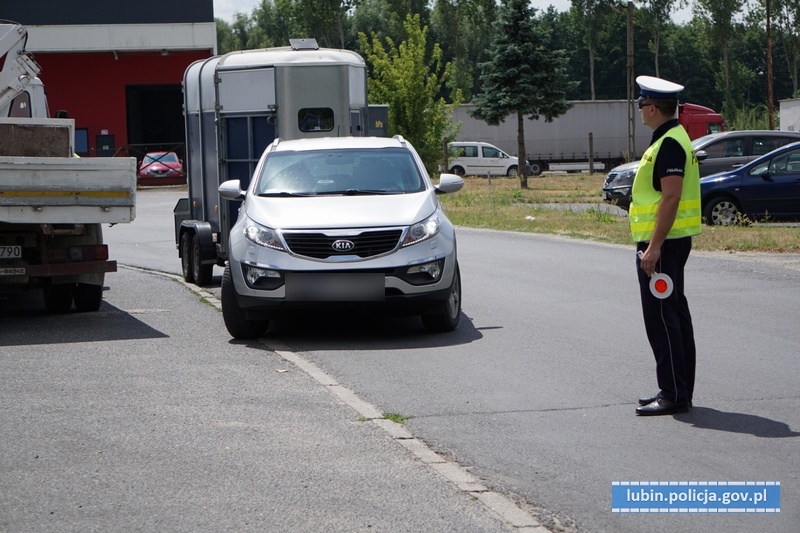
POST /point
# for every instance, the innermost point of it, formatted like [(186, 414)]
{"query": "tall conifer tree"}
[(523, 76)]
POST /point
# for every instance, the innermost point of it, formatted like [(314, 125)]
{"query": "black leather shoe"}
[(651, 399), (662, 406)]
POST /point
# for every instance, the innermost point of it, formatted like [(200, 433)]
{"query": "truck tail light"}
[(98, 252)]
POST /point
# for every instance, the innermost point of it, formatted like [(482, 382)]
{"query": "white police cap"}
[(652, 87)]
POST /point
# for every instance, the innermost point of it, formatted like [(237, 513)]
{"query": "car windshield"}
[(170, 157), (340, 171), (703, 140)]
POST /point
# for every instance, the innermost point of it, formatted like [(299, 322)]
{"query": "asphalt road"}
[(535, 392)]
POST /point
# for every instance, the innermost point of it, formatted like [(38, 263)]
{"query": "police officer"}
[(664, 214)]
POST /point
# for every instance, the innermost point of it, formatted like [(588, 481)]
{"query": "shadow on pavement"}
[(24, 322), (312, 331), (758, 426)]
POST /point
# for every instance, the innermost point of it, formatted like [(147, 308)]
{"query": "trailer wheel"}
[(58, 298), (186, 257), (201, 273), (88, 297), (536, 168), (235, 322)]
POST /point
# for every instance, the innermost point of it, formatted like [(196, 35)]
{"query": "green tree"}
[(523, 75), (233, 36), (718, 16), (324, 20), (787, 21), (463, 29), (588, 17), (406, 79), (657, 20)]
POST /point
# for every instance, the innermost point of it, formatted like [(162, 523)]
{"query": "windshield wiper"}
[(285, 194), (362, 192)]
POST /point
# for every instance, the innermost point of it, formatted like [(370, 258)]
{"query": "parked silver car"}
[(339, 224), (717, 152)]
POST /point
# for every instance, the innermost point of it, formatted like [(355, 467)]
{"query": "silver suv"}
[(340, 224), (717, 152)]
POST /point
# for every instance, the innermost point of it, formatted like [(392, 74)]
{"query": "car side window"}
[(764, 145), (491, 152), (782, 165), (470, 151), (715, 150), (791, 163)]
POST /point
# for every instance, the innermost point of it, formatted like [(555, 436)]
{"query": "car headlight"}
[(262, 236), (423, 230), (625, 179)]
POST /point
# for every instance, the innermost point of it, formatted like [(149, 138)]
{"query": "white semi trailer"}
[(590, 129)]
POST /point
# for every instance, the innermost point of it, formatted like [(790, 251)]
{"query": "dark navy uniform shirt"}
[(670, 159)]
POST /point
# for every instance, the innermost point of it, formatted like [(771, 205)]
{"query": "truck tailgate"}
[(64, 190)]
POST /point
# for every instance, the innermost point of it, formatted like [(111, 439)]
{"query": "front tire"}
[(722, 211), (235, 322), (512, 172), (446, 317), (458, 171)]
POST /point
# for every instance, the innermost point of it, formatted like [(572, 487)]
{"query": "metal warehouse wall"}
[(66, 12)]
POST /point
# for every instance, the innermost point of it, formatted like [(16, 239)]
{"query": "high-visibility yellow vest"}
[(645, 199)]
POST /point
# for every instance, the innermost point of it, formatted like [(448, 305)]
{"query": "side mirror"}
[(232, 190), (449, 183), (701, 155)]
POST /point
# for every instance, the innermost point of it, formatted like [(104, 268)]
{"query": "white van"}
[(475, 158)]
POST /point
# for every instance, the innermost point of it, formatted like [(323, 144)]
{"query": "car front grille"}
[(611, 177), (365, 244)]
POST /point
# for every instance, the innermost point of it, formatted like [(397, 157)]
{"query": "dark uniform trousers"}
[(668, 323)]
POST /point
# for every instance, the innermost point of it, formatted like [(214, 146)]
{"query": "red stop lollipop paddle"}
[(660, 284)]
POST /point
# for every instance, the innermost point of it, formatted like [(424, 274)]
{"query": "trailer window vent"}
[(303, 44)]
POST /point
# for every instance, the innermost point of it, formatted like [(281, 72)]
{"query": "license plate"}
[(12, 271), (10, 252), (335, 287)]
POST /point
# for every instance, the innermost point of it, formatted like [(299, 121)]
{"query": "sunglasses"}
[(644, 104)]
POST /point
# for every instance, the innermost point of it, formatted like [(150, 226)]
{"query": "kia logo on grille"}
[(343, 245)]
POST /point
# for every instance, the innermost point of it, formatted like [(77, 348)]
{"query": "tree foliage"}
[(719, 55), (409, 79), (522, 76)]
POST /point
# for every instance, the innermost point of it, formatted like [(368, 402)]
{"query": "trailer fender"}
[(204, 234)]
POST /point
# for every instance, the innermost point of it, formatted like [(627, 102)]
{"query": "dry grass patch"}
[(501, 204)]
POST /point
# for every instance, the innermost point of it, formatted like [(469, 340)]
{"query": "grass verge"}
[(549, 206)]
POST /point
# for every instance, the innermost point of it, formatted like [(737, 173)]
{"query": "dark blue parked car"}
[(767, 188)]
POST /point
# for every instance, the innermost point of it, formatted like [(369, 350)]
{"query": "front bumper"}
[(381, 284)]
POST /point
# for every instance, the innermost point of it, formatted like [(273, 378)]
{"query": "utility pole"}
[(770, 110), (631, 89)]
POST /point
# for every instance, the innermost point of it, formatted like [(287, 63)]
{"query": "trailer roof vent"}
[(304, 44)]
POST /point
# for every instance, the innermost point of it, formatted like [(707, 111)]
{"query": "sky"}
[(224, 9)]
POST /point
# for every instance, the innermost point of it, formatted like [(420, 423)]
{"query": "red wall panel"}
[(91, 86)]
